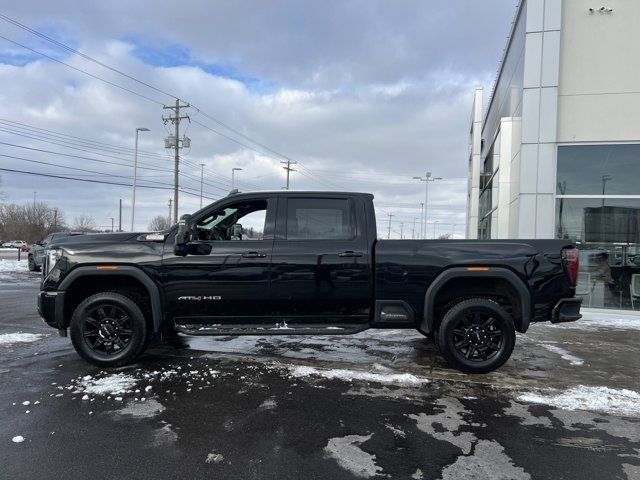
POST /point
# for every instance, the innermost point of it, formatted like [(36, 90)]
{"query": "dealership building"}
[(554, 152)]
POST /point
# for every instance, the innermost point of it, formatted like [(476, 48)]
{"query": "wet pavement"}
[(379, 404)]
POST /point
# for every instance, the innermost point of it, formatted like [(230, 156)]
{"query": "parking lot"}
[(379, 404)]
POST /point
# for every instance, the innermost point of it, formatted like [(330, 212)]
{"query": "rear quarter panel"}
[(405, 268)]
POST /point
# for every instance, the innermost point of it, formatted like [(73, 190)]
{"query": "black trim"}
[(461, 272), (152, 288), (566, 310), (379, 321)]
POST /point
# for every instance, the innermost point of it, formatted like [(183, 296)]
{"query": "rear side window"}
[(310, 218)]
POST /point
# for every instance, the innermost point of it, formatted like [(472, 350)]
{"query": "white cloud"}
[(364, 94)]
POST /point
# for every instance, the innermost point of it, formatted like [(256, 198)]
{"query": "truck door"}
[(227, 279), (321, 264)]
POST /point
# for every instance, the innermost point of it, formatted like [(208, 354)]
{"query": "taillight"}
[(571, 259)]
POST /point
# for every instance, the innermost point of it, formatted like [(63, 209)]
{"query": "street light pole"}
[(233, 176), (427, 178), (135, 176)]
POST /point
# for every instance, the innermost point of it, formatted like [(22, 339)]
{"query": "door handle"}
[(253, 255), (350, 253)]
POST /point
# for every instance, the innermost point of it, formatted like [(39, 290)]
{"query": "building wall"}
[(475, 142), (599, 89)]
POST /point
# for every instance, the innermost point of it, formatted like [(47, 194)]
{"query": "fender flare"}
[(123, 270), (462, 272)]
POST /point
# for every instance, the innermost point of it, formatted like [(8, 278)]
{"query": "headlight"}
[(53, 255)]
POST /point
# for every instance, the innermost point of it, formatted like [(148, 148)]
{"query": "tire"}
[(31, 262), (476, 335), (108, 329)]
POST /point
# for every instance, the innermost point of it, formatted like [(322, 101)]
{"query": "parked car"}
[(318, 269), (36, 252), (14, 244)]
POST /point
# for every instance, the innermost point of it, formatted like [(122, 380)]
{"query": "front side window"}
[(309, 218), (239, 221)]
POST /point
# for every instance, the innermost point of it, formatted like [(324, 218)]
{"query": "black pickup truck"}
[(302, 263)]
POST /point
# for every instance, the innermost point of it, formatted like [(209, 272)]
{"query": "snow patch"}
[(601, 399), (11, 338), (13, 266), (114, 383), (564, 354), (214, 458), (602, 319), (347, 452), (351, 375), (18, 439)]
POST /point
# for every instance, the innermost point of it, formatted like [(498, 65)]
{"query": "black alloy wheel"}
[(109, 329), (476, 335)]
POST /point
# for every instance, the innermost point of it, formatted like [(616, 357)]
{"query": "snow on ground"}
[(12, 338), (115, 383), (594, 318), (10, 266), (18, 439), (137, 383), (564, 354), (351, 375), (601, 399)]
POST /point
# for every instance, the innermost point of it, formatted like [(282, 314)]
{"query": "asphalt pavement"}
[(379, 404)]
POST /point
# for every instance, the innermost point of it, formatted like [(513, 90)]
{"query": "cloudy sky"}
[(364, 95)]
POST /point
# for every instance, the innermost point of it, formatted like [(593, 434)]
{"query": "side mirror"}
[(236, 232), (181, 241)]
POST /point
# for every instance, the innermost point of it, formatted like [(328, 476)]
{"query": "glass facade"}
[(606, 230)]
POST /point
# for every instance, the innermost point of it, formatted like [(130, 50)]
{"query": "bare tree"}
[(445, 236), (84, 223), (30, 222), (159, 223)]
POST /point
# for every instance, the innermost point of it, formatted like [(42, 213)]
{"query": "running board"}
[(271, 329)]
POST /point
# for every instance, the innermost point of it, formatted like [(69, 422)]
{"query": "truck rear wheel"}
[(476, 335), (108, 329)]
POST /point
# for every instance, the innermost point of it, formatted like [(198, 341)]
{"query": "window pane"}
[(592, 169), (607, 233), (321, 219)]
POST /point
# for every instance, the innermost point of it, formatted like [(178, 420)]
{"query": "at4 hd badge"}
[(198, 298)]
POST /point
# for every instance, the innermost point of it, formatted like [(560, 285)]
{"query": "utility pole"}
[(175, 143), (288, 169), (401, 230), (389, 231), (55, 219), (421, 220), (169, 211), (201, 182), (112, 219), (413, 229), (120, 215)]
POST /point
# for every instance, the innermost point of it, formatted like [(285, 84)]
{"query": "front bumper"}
[(51, 308), (566, 310)]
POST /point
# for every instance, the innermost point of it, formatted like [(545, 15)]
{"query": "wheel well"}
[(87, 285), (497, 289)]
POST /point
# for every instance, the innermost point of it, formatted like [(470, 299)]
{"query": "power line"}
[(87, 57), (81, 71)]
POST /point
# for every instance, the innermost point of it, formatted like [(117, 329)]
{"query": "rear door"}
[(321, 264)]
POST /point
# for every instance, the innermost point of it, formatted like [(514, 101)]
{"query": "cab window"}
[(243, 221)]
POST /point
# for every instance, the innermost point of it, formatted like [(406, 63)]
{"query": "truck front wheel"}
[(108, 329), (476, 335)]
